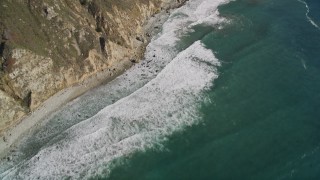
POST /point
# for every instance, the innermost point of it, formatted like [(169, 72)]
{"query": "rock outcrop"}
[(50, 45)]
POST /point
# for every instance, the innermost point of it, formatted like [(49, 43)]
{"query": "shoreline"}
[(10, 137)]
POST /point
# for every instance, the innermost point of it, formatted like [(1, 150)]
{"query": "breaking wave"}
[(307, 15), (141, 108)]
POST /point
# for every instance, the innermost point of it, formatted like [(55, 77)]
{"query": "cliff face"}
[(49, 45)]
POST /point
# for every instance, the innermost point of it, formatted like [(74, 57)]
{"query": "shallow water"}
[(228, 93)]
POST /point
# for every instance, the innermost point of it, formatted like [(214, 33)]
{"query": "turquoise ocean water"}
[(228, 90), (264, 119)]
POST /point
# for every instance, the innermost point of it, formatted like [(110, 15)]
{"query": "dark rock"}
[(102, 42), (83, 2), (2, 45), (45, 10), (140, 39), (28, 99), (133, 60), (93, 8), (100, 23)]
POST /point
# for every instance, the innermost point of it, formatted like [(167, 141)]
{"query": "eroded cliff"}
[(49, 45)]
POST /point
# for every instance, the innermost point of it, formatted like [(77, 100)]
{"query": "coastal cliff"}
[(47, 46)]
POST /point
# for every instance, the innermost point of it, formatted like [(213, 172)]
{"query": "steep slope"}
[(46, 46)]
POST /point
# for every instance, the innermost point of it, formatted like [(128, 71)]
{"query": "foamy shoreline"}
[(61, 98)]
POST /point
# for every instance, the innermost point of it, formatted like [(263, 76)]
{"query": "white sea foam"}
[(185, 18), (165, 102), (307, 15)]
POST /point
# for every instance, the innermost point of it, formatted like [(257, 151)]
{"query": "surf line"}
[(307, 14)]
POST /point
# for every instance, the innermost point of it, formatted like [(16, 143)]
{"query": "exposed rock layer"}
[(49, 45)]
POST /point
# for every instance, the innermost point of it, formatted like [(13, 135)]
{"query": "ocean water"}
[(227, 90)]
